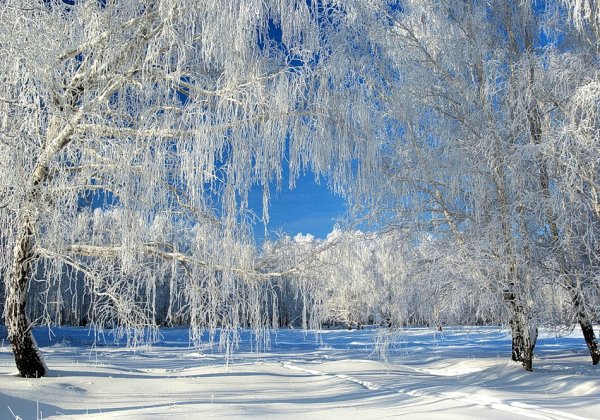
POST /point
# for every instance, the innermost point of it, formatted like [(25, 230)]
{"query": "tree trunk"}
[(523, 336), (590, 340), (523, 343), (585, 323), (27, 357), (578, 301)]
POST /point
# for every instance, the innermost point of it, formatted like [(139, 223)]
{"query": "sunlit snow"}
[(462, 372)]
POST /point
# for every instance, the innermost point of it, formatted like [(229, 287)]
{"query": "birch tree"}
[(477, 94), (163, 109)]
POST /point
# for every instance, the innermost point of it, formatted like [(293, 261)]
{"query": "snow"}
[(459, 373)]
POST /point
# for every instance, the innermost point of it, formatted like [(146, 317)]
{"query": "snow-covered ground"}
[(459, 373)]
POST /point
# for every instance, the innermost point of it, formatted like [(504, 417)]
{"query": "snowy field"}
[(459, 373)]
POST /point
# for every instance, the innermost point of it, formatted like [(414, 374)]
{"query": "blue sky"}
[(308, 208)]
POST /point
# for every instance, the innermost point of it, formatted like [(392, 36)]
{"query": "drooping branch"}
[(158, 249)]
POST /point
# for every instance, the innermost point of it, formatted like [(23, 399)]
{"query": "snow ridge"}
[(365, 384)]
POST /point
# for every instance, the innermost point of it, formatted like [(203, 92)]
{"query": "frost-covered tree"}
[(487, 118), (585, 15), (302, 264), (355, 278), (167, 113)]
